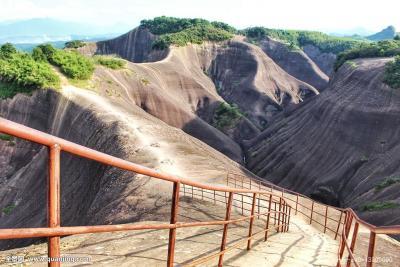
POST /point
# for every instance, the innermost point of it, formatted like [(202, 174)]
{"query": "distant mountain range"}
[(386, 34), (25, 34), (40, 30), (362, 34)]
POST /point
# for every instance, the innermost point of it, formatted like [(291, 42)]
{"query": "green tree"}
[(48, 50), (75, 44), (6, 50), (38, 54)]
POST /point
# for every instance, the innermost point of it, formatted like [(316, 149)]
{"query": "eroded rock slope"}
[(339, 146), (295, 62)]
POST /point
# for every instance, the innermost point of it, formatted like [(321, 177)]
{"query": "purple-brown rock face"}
[(338, 146)]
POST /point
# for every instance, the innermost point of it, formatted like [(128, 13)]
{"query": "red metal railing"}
[(260, 200), (373, 232), (346, 225), (330, 217)]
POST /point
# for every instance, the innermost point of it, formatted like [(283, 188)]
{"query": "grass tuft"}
[(377, 206), (387, 182)]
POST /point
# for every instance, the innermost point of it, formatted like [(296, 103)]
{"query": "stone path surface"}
[(302, 245)]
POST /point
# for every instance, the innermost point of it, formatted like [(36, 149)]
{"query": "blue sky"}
[(329, 16)]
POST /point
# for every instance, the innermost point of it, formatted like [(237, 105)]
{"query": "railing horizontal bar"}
[(278, 188), (73, 230)]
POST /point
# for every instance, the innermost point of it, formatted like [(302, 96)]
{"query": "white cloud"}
[(306, 14)]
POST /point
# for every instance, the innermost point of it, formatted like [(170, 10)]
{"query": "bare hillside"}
[(295, 62), (339, 146)]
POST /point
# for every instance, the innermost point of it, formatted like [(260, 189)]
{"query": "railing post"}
[(279, 215), (275, 215), (258, 215), (353, 243), (267, 224), (338, 226), (371, 249), (174, 217), (53, 203), (345, 234), (242, 203), (326, 218), (290, 209), (253, 206), (342, 240), (312, 211), (215, 201), (286, 217), (348, 226), (283, 217), (297, 202), (225, 233)]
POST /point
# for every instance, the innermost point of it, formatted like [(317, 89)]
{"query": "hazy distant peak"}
[(386, 34)]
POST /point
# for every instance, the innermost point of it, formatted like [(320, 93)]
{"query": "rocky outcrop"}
[(134, 46), (338, 146), (324, 60), (295, 62), (246, 76)]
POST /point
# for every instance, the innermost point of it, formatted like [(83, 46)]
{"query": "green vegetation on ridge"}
[(377, 206), (386, 48), (176, 31), (7, 210), (6, 137), (20, 72), (109, 62), (392, 74), (295, 38), (75, 44), (387, 182), (226, 116), (71, 63)]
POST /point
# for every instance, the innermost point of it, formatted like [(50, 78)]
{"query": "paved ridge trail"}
[(302, 245)]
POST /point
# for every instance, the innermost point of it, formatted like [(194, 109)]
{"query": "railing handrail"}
[(274, 186), (386, 229)]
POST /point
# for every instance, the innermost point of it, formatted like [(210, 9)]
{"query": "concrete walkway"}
[(301, 246)]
